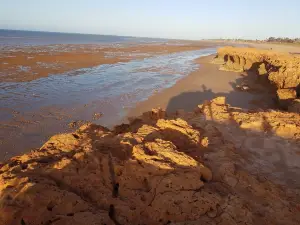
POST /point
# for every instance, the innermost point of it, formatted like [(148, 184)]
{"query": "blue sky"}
[(186, 19)]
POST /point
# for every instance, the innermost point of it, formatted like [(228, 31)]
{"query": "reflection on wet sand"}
[(33, 111), (30, 63)]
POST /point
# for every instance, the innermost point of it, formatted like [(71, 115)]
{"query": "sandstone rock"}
[(219, 100), (155, 114), (161, 170), (282, 70), (285, 97), (206, 174), (294, 106), (285, 94), (212, 213)]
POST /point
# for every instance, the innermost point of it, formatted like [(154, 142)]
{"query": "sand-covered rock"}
[(282, 70), (217, 165)]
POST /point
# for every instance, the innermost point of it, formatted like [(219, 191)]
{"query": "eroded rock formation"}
[(217, 165), (282, 70)]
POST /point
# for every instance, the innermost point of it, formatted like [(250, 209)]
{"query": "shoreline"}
[(161, 99), (33, 112), (31, 63), (206, 83)]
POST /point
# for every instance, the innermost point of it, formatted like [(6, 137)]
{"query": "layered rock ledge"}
[(281, 70), (216, 165)]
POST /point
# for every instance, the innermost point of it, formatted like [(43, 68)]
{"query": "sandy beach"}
[(207, 83)]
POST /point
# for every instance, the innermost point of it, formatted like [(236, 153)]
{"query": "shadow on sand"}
[(249, 92)]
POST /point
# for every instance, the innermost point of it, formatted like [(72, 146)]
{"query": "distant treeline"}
[(270, 39), (283, 40)]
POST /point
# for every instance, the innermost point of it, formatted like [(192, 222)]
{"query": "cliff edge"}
[(280, 69)]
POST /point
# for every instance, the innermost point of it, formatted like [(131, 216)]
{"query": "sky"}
[(180, 19)]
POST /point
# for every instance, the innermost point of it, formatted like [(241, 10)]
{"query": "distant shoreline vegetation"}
[(270, 40), (283, 40)]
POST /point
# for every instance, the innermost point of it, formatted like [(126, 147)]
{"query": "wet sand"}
[(27, 64), (207, 83), (31, 112)]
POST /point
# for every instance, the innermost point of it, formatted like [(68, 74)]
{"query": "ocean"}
[(34, 38)]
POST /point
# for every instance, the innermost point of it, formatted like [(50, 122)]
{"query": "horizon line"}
[(130, 36), (117, 35)]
